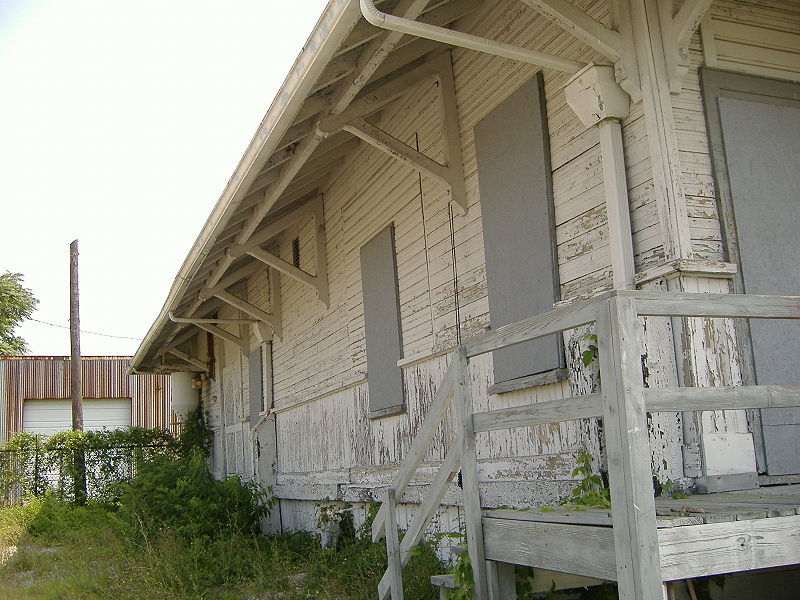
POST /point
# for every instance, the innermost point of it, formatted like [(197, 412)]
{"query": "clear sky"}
[(120, 124)]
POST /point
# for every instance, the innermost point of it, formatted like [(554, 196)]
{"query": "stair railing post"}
[(628, 452), (469, 477), (395, 564)]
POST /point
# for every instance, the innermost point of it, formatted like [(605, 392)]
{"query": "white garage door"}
[(49, 416)]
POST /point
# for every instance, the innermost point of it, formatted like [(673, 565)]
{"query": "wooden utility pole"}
[(75, 368), (75, 339)]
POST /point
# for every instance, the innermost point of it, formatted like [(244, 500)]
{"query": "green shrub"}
[(183, 495)]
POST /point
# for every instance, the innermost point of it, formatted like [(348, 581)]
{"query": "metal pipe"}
[(465, 40), (175, 319)]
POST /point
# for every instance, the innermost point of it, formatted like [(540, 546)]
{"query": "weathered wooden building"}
[(447, 200), (35, 395)]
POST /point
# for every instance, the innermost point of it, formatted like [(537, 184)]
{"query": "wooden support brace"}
[(225, 335), (275, 301), (589, 31), (245, 307), (676, 31), (398, 150), (320, 251), (268, 258), (189, 359), (453, 155), (395, 569)]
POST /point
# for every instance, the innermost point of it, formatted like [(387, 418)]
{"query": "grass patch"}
[(91, 552)]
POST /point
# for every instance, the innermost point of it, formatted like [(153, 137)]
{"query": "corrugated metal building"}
[(35, 393)]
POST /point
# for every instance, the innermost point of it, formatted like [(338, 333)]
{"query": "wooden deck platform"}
[(697, 536)]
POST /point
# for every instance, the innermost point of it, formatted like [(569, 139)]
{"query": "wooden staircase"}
[(625, 544)]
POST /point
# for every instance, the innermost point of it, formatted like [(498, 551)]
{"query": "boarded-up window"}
[(382, 324), (255, 367), (513, 155)]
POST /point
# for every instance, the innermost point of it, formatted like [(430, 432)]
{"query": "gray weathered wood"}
[(395, 569), (579, 549), (628, 451), (722, 398), (729, 547), (550, 411), (554, 321), (716, 305), (469, 476), (320, 252)]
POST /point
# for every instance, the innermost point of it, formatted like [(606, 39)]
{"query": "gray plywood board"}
[(511, 145), (762, 145), (382, 324)]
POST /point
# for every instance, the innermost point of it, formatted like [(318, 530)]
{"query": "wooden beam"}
[(221, 333), (627, 448), (722, 398), (557, 320), (397, 149), (674, 304), (246, 307), (189, 359), (320, 252), (579, 549), (453, 155), (676, 32), (236, 276), (372, 56), (688, 19), (469, 476), (395, 568), (270, 230), (586, 29), (284, 267), (375, 99), (550, 411), (275, 302)]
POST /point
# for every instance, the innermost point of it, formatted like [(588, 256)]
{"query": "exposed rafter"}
[(244, 306)]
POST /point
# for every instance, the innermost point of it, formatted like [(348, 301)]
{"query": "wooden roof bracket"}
[(676, 31), (212, 327), (451, 173), (192, 360), (319, 281)]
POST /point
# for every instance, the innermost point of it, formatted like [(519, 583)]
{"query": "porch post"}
[(628, 450)]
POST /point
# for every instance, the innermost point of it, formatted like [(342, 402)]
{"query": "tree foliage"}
[(16, 304)]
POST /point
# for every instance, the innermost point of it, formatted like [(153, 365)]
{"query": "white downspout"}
[(465, 40)]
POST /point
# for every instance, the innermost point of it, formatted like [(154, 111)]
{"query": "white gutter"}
[(465, 40), (333, 27)]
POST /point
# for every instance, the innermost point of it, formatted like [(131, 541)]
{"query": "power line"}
[(120, 337)]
